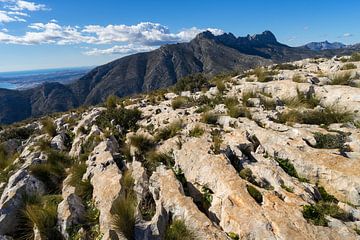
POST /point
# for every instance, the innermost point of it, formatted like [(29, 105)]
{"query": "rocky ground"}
[(271, 154)]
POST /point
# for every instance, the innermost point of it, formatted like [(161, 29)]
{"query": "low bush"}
[(197, 131), (302, 100), (52, 172), (169, 131), (192, 83), (142, 143), (348, 66), (255, 194), (40, 212), (207, 197), (209, 118), (325, 116), (330, 141), (247, 95), (233, 236), (341, 79), (177, 230), (285, 66), (247, 175), (181, 102), (262, 74), (154, 159), (49, 127), (355, 57), (287, 166), (112, 101), (20, 133), (298, 78), (124, 208), (217, 140), (126, 118)]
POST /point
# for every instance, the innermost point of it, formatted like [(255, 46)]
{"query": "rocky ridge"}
[(270, 154)]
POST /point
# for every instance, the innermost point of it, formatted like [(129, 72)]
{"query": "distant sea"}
[(7, 85), (31, 78)]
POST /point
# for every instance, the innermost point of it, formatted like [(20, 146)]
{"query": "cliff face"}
[(160, 68), (270, 154)]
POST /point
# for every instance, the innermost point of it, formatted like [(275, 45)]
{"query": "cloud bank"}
[(144, 36)]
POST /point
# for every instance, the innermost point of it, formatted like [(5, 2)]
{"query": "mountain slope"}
[(160, 68)]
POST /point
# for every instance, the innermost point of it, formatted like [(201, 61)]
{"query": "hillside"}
[(163, 67), (272, 153)]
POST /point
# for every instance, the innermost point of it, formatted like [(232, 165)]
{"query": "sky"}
[(40, 34)]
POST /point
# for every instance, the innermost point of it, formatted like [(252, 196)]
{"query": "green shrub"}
[(41, 212), (207, 197), (124, 208), (262, 74), (287, 166), (217, 140), (154, 159), (20, 133), (112, 101), (5, 159), (181, 102), (298, 78), (77, 172), (147, 207), (255, 194), (246, 96), (269, 104), (169, 131), (285, 66), (49, 127), (341, 79), (325, 116), (288, 189), (197, 131), (142, 143), (326, 196), (126, 118), (302, 100), (247, 175), (314, 215), (191, 83), (348, 66), (330, 141), (233, 236), (220, 86), (209, 118), (355, 57), (231, 102), (177, 230)]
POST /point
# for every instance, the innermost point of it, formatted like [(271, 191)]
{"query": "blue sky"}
[(36, 34)]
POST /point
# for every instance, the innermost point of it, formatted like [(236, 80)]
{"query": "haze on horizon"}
[(40, 34)]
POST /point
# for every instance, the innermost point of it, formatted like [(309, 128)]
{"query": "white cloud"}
[(120, 49), (347, 35), (14, 10), (20, 5)]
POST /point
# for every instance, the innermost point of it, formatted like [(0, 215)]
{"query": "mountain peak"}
[(206, 34), (265, 37)]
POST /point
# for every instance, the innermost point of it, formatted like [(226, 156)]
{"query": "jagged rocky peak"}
[(266, 37), (272, 153)]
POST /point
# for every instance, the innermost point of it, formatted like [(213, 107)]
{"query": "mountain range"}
[(160, 68), (317, 46)]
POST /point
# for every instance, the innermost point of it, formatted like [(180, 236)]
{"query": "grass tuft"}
[(177, 230)]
